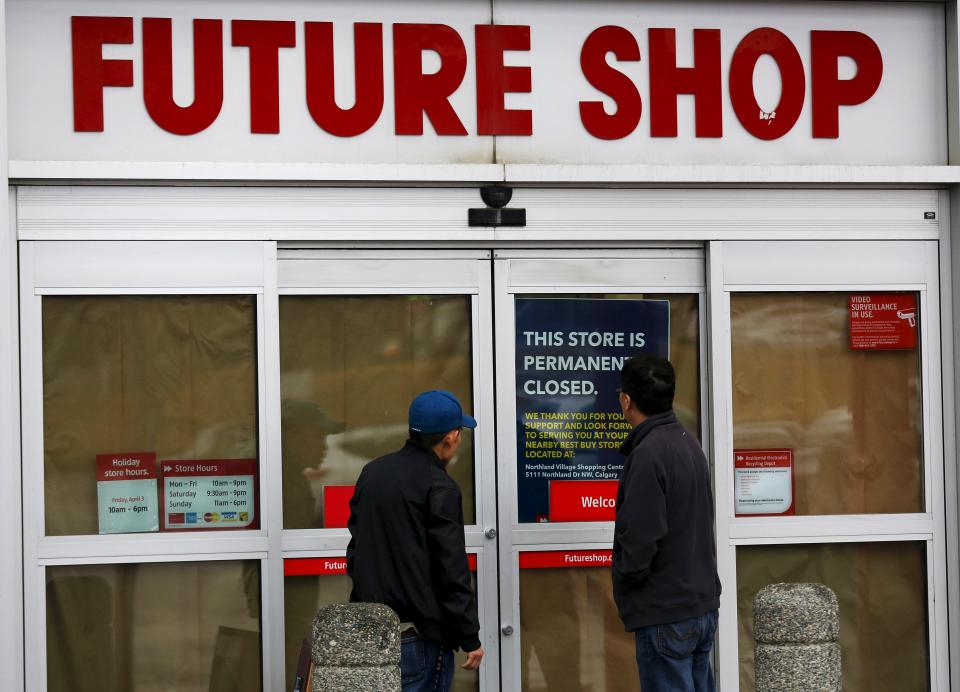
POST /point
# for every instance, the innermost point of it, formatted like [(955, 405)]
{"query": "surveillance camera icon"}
[(910, 316)]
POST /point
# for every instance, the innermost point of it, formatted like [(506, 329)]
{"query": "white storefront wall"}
[(748, 202)]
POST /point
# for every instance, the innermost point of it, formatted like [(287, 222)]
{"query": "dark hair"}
[(650, 382), (428, 440)]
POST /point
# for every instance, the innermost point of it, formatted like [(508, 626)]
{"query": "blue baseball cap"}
[(438, 411)]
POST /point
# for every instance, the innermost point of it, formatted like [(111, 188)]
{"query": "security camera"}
[(496, 196)]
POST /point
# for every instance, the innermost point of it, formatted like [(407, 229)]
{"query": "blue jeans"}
[(675, 657), (425, 665)]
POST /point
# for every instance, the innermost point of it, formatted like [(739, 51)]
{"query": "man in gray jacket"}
[(665, 578)]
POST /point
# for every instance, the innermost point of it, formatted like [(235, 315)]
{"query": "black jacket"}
[(664, 548), (407, 549)]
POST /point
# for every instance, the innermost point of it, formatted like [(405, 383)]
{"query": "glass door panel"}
[(566, 322), (309, 584), (349, 367), (882, 593), (133, 381), (361, 334), (843, 400), (192, 626), (571, 637), (836, 447), (143, 400)]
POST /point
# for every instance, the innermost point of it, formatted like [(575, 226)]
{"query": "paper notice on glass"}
[(210, 494), (763, 481), (569, 353), (883, 321), (127, 492)]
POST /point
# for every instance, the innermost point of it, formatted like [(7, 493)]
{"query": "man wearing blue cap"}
[(406, 545)]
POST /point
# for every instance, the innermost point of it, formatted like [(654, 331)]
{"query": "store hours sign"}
[(212, 494), (127, 492), (136, 493)]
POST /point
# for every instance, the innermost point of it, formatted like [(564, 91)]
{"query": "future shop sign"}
[(604, 53)]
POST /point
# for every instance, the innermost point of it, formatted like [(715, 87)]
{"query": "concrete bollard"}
[(797, 627), (356, 646)]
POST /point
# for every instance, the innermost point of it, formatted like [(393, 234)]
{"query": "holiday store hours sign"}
[(436, 82)]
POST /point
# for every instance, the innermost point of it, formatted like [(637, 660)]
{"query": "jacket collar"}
[(417, 449), (641, 431)]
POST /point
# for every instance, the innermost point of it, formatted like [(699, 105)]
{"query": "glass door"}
[(832, 451), (143, 462), (361, 334), (565, 323)]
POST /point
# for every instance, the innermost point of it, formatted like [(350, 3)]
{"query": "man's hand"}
[(473, 659)]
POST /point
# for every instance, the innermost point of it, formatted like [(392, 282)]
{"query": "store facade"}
[(241, 236)]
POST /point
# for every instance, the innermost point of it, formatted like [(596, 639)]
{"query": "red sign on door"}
[(883, 321), (131, 466), (317, 566), (583, 500), (549, 559), (336, 505)]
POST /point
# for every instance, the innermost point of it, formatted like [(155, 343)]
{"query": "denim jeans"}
[(425, 665), (675, 657)]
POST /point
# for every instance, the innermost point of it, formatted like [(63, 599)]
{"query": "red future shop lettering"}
[(264, 39), (207, 76), (784, 116), (419, 95), (495, 80), (368, 79), (703, 81), (667, 81), (829, 91), (613, 83), (91, 73)]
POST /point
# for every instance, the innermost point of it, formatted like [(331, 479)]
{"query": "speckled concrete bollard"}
[(796, 627), (356, 646)]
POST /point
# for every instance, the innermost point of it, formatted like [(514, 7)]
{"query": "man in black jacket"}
[(407, 548), (665, 578)]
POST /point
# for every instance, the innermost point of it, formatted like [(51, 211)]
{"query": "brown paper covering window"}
[(172, 375), (186, 626), (852, 418), (881, 588), (349, 367)]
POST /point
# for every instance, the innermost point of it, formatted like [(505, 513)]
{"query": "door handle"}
[(507, 630), (490, 533)]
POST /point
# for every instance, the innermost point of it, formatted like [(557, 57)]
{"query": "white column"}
[(11, 536)]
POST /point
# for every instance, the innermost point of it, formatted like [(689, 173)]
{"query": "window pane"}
[(174, 377), (349, 368), (190, 626), (851, 417), (881, 588), (571, 638), (569, 351), (305, 595)]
